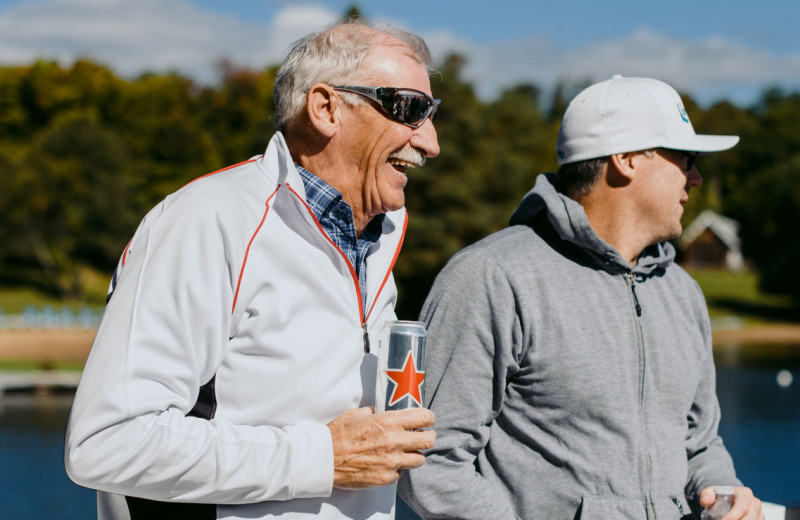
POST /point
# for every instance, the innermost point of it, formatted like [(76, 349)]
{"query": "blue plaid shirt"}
[(336, 218)]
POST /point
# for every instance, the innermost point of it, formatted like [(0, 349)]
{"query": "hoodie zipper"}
[(680, 507), (643, 366), (629, 276)]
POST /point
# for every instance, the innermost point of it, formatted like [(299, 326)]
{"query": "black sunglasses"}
[(690, 157), (405, 105)]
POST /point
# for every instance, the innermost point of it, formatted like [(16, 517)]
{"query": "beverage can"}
[(401, 366)]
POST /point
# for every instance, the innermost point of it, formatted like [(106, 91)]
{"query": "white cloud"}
[(443, 43), (157, 35), (293, 23), (710, 68)]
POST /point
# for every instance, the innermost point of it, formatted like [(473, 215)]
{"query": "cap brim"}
[(704, 143)]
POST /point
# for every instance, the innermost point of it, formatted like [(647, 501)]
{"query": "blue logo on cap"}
[(682, 112)]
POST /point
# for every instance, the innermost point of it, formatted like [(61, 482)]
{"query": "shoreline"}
[(46, 346), (52, 346), (786, 334)]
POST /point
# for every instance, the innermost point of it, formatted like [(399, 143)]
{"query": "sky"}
[(710, 49)]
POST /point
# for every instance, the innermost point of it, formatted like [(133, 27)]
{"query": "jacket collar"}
[(278, 167)]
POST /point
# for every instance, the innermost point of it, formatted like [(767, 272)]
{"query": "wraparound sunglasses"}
[(405, 105)]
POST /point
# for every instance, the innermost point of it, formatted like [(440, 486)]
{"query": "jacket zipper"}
[(680, 507), (362, 318), (643, 365), (366, 338), (632, 283)]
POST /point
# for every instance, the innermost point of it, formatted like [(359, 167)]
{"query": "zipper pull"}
[(366, 338), (633, 290), (680, 507)]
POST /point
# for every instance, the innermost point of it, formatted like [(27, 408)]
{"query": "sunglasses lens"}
[(410, 107), (690, 159)]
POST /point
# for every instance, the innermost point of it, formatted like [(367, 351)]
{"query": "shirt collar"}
[(320, 195), (322, 198)]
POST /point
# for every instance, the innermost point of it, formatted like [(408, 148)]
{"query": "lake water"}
[(760, 426)]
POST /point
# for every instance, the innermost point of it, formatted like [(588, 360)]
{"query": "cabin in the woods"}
[(712, 241)]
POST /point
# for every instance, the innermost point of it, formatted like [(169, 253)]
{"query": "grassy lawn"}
[(28, 366), (736, 296), (13, 300)]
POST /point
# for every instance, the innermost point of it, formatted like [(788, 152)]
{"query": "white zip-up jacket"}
[(231, 287)]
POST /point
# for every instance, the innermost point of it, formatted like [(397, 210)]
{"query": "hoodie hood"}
[(568, 219)]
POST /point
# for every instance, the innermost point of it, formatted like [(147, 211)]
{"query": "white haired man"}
[(231, 376)]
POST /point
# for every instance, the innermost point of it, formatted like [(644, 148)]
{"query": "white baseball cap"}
[(630, 114)]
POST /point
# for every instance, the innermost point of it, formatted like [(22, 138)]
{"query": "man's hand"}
[(371, 450), (745, 505)]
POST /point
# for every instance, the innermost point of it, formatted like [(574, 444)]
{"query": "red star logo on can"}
[(407, 382)]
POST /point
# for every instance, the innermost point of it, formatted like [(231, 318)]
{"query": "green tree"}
[(722, 172), (765, 191), (440, 196), (15, 123), (238, 114), (67, 197), (490, 155), (85, 154), (352, 13)]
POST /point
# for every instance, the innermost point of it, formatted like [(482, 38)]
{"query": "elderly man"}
[(569, 358), (232, 376)]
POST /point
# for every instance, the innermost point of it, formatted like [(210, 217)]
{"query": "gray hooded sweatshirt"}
[(566, 383)]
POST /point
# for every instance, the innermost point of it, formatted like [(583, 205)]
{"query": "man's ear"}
[(625, 164), (323, 108)]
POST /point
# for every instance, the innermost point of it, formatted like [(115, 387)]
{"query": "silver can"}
[(401, 366)]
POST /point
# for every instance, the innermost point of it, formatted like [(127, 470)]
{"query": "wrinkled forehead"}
[(389, 41), (391, 58)]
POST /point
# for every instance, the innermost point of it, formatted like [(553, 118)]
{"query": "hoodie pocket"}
[(617, 508)]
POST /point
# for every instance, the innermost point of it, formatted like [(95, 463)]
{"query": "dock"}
[(38, 381)]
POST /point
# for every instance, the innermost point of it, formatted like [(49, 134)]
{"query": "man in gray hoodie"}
[(569, 361)]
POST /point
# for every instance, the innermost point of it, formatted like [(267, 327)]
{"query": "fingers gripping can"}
[(401, 366)]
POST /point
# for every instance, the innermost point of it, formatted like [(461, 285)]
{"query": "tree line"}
[(85, 154)]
